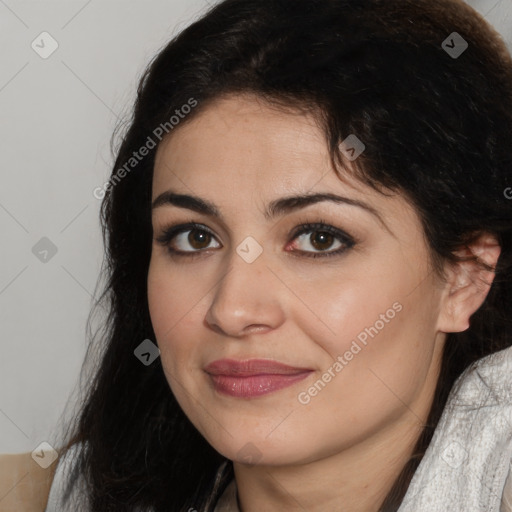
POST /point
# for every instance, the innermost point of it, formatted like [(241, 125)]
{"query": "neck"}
[(356, 479)]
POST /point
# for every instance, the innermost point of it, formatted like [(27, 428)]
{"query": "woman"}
[(308, 248)]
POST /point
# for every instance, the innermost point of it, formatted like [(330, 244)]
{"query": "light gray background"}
[(57, 116)]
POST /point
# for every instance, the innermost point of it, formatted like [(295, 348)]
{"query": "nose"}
[(247, 299)]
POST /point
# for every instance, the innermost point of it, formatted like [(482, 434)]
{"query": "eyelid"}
[(349, 241), (171, 231), (320, 225)]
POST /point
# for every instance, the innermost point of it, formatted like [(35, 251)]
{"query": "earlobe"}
[(468, 282)]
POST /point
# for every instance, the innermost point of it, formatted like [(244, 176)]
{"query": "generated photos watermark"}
[(159, 132), (304, 397)]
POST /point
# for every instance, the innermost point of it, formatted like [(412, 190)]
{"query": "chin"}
[(260, 452)]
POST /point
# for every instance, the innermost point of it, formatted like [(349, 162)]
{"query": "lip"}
[(253, 377)]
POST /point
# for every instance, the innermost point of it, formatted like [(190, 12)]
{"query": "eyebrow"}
[(276, 208)]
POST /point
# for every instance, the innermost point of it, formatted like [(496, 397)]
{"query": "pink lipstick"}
[(253, 377)]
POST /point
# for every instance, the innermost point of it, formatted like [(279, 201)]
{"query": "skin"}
[(24, 485), (344, 449)]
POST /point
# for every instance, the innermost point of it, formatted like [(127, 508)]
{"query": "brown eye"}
[(199, 239), (187, 238), (321, 240), (318, 241)]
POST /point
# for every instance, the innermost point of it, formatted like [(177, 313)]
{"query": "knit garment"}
[(466, 468), (469, 458)]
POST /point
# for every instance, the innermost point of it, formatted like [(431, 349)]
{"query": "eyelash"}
[(170, 232)]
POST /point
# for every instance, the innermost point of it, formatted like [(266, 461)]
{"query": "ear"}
[(468, 283)]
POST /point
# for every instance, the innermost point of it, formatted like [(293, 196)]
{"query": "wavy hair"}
[(437, 129)]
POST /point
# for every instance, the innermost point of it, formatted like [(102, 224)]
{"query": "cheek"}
[(172, 295), (354, 305), (161, 299), (377, 336), (177, 301), (171, 301), (379, 317), (378, 304), (170, 304)]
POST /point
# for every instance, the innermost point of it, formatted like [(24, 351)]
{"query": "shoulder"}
[(467, 463), (24, 485)]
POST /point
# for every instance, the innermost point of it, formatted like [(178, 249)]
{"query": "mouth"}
[(253, 377)]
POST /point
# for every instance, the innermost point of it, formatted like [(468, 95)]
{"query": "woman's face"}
[(351, 305)]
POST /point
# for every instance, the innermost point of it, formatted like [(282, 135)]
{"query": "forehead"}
[(243, 138), (239, 152)]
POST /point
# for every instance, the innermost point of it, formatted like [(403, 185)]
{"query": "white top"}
[(467, 466)]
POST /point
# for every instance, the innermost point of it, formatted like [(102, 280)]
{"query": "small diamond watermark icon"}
[(147, 352), (249, 454), (44, 250), (45, 455), (352, 147), (454, 454), (44, 45), (454, 45), (249, 250)]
